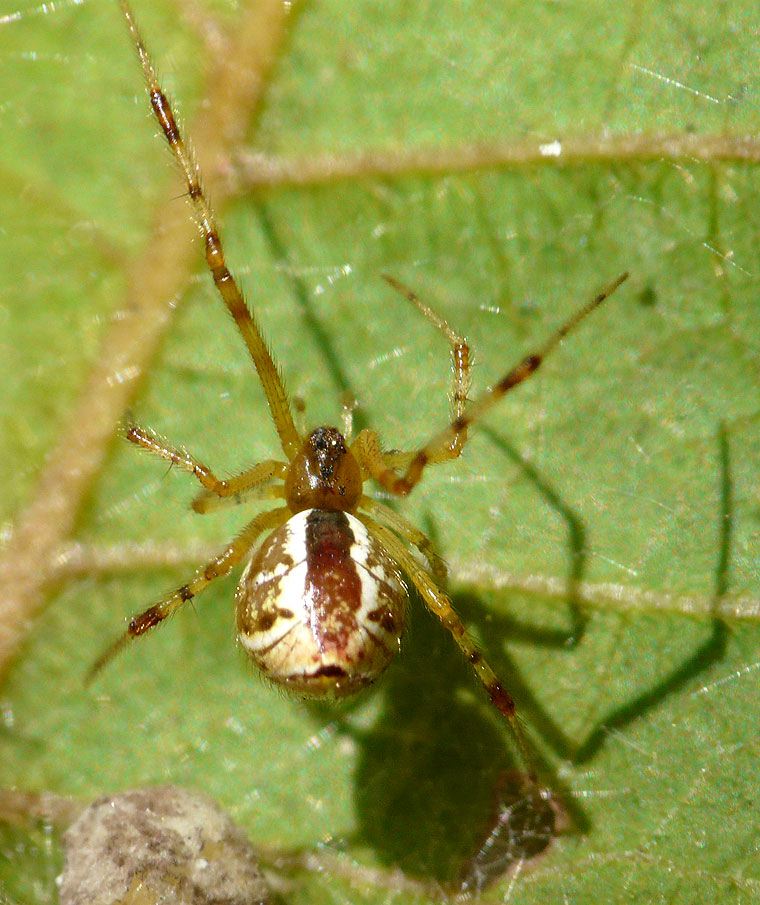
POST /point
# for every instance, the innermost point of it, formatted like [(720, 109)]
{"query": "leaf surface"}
[(627, 465)]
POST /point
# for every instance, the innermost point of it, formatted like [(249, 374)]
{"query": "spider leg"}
[(384, 466), (210, 502), (378, 464), (439, 604), (348, 404), (219, 487), (220, 565), (225, 283), (397, 458), (408, 532), (460, 364), (367, 445)]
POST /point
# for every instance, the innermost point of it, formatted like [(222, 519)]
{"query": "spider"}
[(321, 602)]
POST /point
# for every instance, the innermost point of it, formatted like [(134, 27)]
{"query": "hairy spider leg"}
[(207, 502), (220, 565), (460, 363), (228, 289), (440, 606), (381, 466), (386, 516), (261, 473), (348, 405)]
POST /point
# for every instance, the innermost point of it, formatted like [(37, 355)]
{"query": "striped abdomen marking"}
[(320, 607)]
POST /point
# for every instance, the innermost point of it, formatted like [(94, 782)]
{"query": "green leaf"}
[(622, 478)]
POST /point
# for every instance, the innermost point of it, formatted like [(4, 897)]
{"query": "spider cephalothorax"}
[(321, 601), (324, 474)]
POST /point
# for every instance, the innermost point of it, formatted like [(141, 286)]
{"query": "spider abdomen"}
[(320, 606)]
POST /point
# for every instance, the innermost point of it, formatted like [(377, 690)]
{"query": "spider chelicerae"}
[(321, 602)]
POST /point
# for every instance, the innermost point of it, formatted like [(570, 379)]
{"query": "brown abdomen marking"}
[(333, 584)]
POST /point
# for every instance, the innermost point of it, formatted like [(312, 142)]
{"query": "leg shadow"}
[(436, 764), (576, 534), (711, 650), (313, 324)]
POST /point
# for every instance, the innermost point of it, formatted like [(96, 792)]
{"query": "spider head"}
[(324, 474)]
